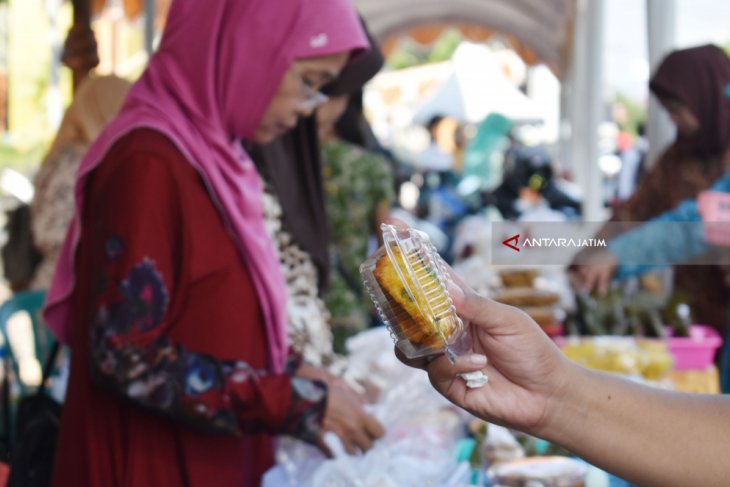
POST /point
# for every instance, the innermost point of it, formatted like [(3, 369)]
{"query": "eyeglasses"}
[(312, 98)]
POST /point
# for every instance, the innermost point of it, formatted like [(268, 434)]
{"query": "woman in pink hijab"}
[(167, 288)]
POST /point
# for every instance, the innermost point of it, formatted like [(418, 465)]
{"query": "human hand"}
[(346, 418), (332, 381), (344, 415), (595, 270), (527, 372)]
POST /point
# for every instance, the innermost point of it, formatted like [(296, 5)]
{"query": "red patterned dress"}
[(168, 384)]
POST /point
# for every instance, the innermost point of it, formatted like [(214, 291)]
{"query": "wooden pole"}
[(80, 50)]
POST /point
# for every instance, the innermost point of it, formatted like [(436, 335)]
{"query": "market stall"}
[(428, 440)]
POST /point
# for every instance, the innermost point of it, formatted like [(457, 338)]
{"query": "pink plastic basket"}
[(696, 351)]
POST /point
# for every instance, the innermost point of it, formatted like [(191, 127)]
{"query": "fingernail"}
[(478, 359)]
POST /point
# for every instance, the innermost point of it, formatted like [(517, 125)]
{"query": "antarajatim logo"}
[(514, 242)]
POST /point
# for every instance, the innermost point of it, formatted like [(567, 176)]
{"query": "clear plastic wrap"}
[(421, 432), (407, 281)]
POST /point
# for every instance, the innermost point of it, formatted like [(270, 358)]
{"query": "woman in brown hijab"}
[(690, 84)]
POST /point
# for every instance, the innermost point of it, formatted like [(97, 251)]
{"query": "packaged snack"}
[(406, 279), (527, 296)]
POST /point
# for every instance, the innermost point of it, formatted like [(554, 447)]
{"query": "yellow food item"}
[(647, 358), (527, 296), (518, 277), (417, 328)]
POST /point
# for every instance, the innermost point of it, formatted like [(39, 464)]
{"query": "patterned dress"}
[(168, 382), (356, 182)]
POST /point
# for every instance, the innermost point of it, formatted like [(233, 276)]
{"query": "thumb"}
[(465, 299)]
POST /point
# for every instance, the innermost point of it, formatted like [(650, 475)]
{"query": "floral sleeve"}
[(131, 350)]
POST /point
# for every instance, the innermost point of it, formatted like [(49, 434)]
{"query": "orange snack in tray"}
[(414, 325), (527, 296), (518, 277)]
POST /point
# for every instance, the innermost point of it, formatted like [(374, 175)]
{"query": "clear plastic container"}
[(407, 281)]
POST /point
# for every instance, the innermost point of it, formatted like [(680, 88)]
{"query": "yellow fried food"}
[(518, 277), (416, 327), (527, 296)]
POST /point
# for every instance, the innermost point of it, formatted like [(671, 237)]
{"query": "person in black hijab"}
[(294, 212), (292, 163)]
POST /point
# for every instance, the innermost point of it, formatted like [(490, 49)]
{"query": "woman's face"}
[(298, 94), (327, 116), (687, 124)]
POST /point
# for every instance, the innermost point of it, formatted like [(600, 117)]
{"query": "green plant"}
[(406, 55), (445, 46), (636, 112), (409, 53)]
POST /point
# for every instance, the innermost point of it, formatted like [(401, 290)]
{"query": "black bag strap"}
[(6, 409), (48, 366)]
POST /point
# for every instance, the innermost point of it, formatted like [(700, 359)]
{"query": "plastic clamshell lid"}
[(406, 279)]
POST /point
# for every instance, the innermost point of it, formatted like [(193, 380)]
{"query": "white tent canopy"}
[(476, 88)]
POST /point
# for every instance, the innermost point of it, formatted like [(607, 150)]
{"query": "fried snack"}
[(518, 277), (417, 328), (527, 296)]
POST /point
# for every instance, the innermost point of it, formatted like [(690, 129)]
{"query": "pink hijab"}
[(218, 66)]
